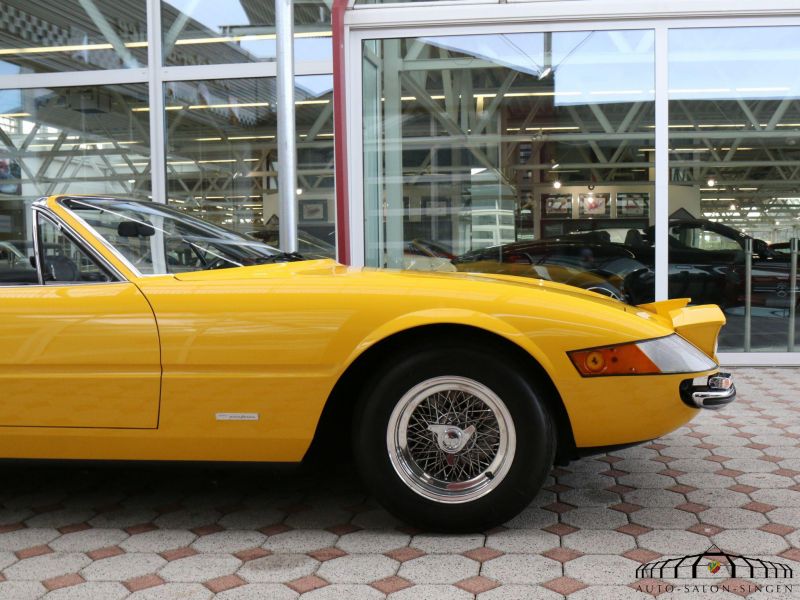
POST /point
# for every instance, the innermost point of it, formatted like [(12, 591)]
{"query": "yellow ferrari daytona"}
[(131, 331)]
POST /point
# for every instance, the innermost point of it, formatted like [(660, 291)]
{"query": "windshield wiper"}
[(282, 257)]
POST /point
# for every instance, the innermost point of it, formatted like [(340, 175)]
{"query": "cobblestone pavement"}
[(731, 478)]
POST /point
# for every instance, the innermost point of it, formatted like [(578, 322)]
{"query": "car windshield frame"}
[(158, 230)]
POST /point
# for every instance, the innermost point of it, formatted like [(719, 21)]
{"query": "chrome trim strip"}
[(77, 239)]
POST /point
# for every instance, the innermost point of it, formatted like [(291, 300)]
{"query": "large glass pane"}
[(73, 140), (72, 35), (198, 32), (735, 168), (529, 154), (80, 140), (222, 160)]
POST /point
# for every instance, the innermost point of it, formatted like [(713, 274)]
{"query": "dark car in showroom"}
[(706, 263)]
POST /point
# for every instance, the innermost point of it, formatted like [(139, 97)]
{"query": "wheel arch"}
[(337, 414)]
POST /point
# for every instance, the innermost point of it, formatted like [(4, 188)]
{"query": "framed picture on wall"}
[(559, 205), (633, 204), (313, 210), (595, 205)]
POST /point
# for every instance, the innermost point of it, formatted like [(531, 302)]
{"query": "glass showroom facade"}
[(171, 101), (643, 156), (637, 158)]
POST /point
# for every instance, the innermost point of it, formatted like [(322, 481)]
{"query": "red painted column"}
[(340, 132)]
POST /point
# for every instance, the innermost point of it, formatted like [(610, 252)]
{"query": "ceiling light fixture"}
[(557, 184), (711, 182)]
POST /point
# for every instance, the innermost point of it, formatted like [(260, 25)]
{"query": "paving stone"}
[(587, 480), (6, 559), (734, 518), (59, 518), (777, 497), (277, 568), (21, 590), (252, 518), (174, 591), (533, 518), (259, 591), (654, 498), (595, 541), (609, 592), (159, 540), (594, 518), (520, 592), (448, 544), (300, 540), (646, 480), (587, 465), (318, 518), (602, 569), (751, 465), (376, 519), (358, 568), (639, 466), (718, 498), (525, 541), (229, 542), (88, 540), (750, 543), (431, 592), (589, 498), (200, 567), (685, 452), (122, 518), (92, 590), (705, 480), (14, 515), (344, 592), (123, 567), (26, 538), (187, 519), (372, 541), (521, 568), (664, 518), (694, 465), (47, 566), (673, 542), (438, 568)]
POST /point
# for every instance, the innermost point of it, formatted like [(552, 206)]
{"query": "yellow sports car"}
[(139, 332)]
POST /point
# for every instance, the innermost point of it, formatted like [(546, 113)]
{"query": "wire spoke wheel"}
[(451, 439)]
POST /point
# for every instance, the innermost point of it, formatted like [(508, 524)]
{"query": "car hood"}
[(330, 268), (699, 324)]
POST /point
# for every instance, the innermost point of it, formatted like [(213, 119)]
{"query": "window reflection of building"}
[(96, 129)]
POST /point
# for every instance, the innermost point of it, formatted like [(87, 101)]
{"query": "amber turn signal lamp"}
[(627, 359)]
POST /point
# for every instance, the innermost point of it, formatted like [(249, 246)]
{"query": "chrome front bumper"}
[(718, 391)]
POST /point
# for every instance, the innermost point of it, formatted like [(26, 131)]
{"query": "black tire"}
[(523, 476)]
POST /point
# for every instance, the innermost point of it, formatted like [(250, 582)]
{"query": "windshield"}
[(157, 240)]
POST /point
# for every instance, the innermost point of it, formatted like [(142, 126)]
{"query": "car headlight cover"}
[(670, 354)]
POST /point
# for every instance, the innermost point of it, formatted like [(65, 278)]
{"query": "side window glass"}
[(16, 264), (63, 261)]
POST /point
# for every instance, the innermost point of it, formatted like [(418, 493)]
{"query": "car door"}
[(78, 344)]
